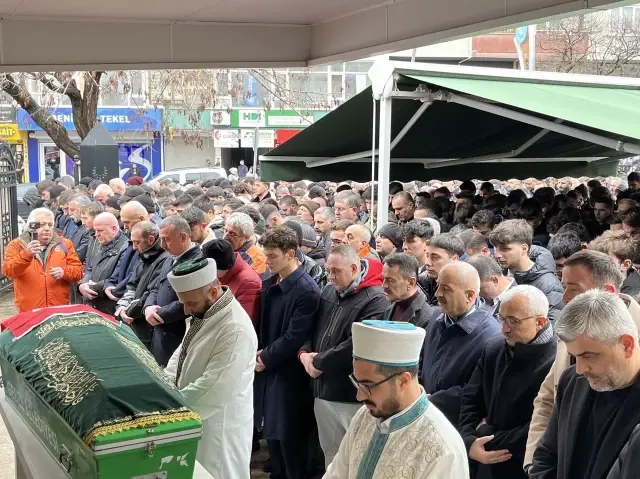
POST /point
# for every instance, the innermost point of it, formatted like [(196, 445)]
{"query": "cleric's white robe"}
[(216, 379), (417, 443)]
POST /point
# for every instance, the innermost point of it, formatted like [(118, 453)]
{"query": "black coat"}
[(145, 273), (122, 272), (502, 389), (555, 452), (99, 266), (331, 338), (419, 311), (451, 354), (80, 239), (171, 311), (628, 463), (282, 392)]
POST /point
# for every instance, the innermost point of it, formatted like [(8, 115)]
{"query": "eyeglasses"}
[(513, 321), (368, 388)]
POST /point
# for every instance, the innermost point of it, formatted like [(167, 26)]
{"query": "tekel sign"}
[(251, 118)]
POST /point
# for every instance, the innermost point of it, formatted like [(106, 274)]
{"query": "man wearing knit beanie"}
[(306, 210), (234, 272), (388, 240)]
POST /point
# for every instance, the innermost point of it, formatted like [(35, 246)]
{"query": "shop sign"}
[(9, 133), (292, 119), (220, 118), (113, 119), (226, 138), (251, 118), (267, 138)]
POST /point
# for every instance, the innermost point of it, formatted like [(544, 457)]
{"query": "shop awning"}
[(468, 122)]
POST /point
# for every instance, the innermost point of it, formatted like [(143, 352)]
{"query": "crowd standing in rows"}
[(489, 328)]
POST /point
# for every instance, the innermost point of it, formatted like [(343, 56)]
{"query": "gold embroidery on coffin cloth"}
[(145, 419), (71, 321), (64, 374)]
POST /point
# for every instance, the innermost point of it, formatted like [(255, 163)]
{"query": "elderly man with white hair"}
[(118, 186), (596, 407), (455, 338), (239, 230), (497, 402), (41, 264)]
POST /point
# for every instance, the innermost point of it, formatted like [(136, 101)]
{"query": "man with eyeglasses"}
[(497, 402), (397, 433)]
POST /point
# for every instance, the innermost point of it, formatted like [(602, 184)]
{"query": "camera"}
[(34, 226)]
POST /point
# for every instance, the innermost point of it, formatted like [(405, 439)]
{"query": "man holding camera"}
[(145, 239), (42, 264)]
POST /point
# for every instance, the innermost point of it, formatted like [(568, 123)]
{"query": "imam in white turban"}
[(192, 275), (388, 343)]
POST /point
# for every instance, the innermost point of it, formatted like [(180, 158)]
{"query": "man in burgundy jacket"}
[(234, 272)]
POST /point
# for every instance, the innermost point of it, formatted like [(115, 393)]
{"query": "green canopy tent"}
[(424, 121)]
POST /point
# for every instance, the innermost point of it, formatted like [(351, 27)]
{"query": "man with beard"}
[(214, 367), (597, 399), (397, 433)]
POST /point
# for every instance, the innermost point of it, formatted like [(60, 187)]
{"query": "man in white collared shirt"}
[(493, 284)]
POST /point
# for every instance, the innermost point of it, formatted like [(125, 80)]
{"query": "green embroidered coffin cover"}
[(95, 374)]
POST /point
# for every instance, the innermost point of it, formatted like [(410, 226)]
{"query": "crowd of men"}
[(510, 307)]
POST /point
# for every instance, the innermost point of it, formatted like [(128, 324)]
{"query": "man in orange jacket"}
[(42, 264)]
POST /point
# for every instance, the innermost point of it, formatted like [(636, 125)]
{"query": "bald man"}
[(117, 185), (103, 256), (131, 214), (359, 238), (102, 194), (455, 338)]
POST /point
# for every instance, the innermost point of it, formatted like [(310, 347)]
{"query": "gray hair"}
[(511, 231), (363, 231), (466, 273), (177, 224), (348, 254), (103, 189), (602, 268), (82, 200), (40, 211), (597, 314), (349, 197), (485, 265), (147, 228), (407, 264), (193, 216), (326, 212), (537, 302), (243, 222)]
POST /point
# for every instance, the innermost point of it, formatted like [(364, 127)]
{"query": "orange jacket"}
[(33, 285)]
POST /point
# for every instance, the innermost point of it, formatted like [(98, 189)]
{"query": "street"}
[(7, 457)]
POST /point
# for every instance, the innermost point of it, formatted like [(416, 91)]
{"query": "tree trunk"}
[(40, 115)]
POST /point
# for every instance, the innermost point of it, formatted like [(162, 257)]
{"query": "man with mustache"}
[(596, 406), (398, 432)]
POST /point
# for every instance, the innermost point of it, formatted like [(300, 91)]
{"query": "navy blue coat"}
[(170, 333), (283, 393), (451, 355), (122, 272)]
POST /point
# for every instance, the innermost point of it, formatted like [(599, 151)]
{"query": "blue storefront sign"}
[(114, 119), (136, 160)]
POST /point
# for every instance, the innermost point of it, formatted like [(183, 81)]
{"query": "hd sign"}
[(252, 118)]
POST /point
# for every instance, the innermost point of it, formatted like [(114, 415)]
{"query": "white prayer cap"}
[(192, 275), (388, 343)]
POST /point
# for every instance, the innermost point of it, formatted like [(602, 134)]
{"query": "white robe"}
[(417, 443), (217, 382)]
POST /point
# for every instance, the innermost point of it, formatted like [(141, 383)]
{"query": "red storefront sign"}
[(284, 135)]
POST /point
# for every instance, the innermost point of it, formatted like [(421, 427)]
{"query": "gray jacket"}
[(419, 311), (99, 266), (542, 276)]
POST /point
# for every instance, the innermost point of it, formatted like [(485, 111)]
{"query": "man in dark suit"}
[(162, 308), (289, 303), (596, 407)]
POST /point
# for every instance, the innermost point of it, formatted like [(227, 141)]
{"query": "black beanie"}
[(221, 252)]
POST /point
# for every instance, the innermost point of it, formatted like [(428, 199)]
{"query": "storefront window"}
[(309, 89), (51, 161)]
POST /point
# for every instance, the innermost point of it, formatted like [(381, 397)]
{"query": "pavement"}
[(7, 453)]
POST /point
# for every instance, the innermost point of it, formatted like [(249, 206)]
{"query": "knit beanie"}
[(309, 235), (312, 206), (297, 228), (221, 252), (392, 233)]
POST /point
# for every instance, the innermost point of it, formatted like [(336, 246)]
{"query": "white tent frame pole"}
[(373, 159), (384, 160), (545, 124), (363, 154)]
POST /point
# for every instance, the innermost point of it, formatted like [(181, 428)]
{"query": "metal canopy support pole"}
[(384, 160), (546, 124), (373, 159)]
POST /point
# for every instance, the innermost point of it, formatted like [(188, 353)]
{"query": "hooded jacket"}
[(313, 269), (33, 285), (322, 249), (331, 339), (542, 276)]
